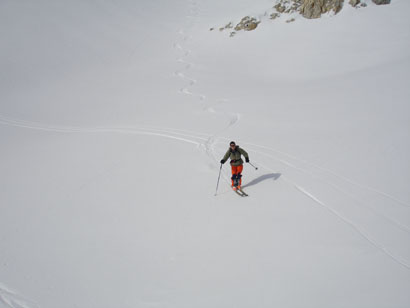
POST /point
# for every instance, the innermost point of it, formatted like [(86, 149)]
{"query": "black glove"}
[(222, 161), (247, 159)]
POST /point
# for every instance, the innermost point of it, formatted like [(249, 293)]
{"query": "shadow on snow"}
[(273, 176)]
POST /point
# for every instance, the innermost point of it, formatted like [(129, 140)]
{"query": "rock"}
[(247, 23), (315, 8), (274, 15), (378, 2), (280, 8), (229, 26), (311, 8), (295, 5), (307, 8), (288, 6)]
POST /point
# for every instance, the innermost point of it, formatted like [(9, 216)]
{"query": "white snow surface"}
[(114, 116)]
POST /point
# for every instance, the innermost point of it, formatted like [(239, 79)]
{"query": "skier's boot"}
[(234, 181), (239, 180)]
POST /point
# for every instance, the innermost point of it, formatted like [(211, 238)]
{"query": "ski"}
[(243, 193), (239, 194)]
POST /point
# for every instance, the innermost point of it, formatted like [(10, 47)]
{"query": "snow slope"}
[(114, 117)]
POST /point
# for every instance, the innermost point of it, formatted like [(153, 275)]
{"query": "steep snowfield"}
[(114, 116)]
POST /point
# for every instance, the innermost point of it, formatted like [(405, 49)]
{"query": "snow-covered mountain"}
[(114, 116)]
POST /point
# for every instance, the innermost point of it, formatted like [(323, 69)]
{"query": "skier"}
[(234, 153)]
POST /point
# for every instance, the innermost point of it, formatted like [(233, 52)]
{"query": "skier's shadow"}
[(273, 176)]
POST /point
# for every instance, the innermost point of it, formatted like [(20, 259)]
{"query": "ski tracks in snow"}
[(337, 188), (211, 107), (357, 228), (185, 52), (267, 158), (156, 132), (12, 299), (350, 199)]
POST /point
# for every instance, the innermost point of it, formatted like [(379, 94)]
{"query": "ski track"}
[(208, 143), (345, 179), (361, 230), (301, 161), (12, 299), (342, 191), (400, 260), (201, 140), (193, 11), (63, 129), (358, 229)]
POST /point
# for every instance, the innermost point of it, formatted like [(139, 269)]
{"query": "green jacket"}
[(235, 156)]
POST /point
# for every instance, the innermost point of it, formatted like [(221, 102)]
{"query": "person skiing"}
[(234, 153)]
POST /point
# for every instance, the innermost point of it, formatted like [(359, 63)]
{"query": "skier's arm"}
[(226, 156), (244, 153)]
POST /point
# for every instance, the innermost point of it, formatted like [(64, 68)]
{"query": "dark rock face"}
[(381, 1), (315, 8)]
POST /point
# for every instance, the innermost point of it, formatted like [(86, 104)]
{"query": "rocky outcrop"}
[(247, 23), (274, 15), (315, 8), (381, 1), (289, 9), (288, 6), (357, 3), (309, 8)]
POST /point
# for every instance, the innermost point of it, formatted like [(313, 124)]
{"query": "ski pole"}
[(217, 184), (256, 168)]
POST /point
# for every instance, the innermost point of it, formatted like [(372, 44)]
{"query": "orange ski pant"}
[(237, 170)]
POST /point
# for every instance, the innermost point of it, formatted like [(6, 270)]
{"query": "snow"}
[(114, 117)]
